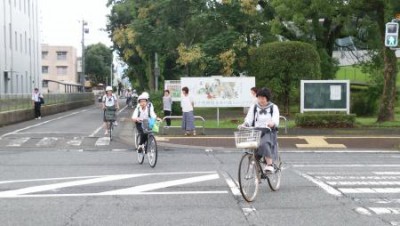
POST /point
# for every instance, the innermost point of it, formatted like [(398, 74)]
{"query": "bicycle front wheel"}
[(274, 179), (152, 152), (136, 137), (249, 177), (110, 129)]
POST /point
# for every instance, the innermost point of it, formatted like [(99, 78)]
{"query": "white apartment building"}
[(19, 46)]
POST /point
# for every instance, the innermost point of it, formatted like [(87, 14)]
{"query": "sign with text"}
[(218, 91), (174, 87)]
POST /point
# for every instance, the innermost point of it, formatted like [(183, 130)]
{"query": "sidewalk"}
[(295, 139)]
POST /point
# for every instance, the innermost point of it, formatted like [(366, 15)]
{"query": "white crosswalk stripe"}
[(18, 142), (377, 192), (47, 141), (76, 141)]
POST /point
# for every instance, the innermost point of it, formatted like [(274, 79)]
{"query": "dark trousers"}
[(143, 136), (37, 110), (167, 113)]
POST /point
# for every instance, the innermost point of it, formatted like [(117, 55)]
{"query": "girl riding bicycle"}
[(142, 111), (264, 115)]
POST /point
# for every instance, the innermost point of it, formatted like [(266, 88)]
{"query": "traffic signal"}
[(391, 34)]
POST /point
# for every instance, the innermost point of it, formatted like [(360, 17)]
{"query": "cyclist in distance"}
[(264, 114), (142, 111), (109, 100)]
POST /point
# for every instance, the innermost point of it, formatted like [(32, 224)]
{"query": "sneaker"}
[(106, 132), (115, 123), (140, 148), (269, 169)]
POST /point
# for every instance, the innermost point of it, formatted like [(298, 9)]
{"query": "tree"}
[(98, 60), (281, 65)]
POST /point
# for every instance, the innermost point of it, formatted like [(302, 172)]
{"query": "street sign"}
[(391, 34)]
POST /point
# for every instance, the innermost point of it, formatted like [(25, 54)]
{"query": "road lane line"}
[(363, 211), (352, 183), (381, 210), (231, 184), (327, 188), (344, 165), (369, 190), (41, 188), (386, 173), (165, 184)]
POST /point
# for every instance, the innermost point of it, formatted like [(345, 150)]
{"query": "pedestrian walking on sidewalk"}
[(187, 111), (167, 106), (37, 98)]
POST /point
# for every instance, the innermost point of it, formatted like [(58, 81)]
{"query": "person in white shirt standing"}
[(167, 106), (110, 100), (36, 95), (187, 111)]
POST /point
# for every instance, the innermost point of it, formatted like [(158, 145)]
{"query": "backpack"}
[(271, 111)]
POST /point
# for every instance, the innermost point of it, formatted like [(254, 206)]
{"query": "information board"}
[(218, 91), (325, 95)]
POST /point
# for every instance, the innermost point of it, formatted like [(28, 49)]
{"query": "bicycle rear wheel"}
[(274, 179), (249, 177), (140, 156), (152, 152)]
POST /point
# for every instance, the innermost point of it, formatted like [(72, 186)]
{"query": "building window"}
[(45, 84), (45, 69), (62, 70), (61, 55), (44, 55)]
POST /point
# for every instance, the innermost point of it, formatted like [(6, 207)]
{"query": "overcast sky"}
[(60, 22)]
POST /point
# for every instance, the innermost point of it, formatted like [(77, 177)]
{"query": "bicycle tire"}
[(152, 152), (136, 137), (110, 129), (140, 157), (274, 179), (249, 177)]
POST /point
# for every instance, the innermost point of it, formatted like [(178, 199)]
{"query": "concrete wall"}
[(7, 118)]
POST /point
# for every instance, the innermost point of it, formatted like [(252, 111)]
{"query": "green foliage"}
[(281, 65), (363, 103), (324, 120), (98, 59)]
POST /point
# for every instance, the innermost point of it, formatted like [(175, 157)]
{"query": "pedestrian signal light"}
[(391, 34)]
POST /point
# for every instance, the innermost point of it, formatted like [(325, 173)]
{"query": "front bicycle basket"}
[(248, 139), (146, 126)]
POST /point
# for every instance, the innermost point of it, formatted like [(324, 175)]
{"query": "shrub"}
[(324, 120)]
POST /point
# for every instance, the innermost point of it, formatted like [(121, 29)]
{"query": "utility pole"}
[(84, 30), (156, 71)]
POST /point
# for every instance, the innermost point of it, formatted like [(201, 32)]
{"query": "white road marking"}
[(138, 190), (358, 177), (41, 188), (369, 190), (18, 142), (363, 211), (76, 141), (154, 186), (248, 210), (352, 183), (102, 141), (47, 141), (345, 165), (380, 210), (387, 173), (232, 185), (384, 201), (39, 124), (327, 188)]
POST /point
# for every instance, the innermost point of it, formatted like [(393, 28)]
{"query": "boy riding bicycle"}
[(265, 116), (142, 112)]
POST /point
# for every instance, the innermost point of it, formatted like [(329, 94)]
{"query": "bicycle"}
[(109, 115), (150, 146), (250, 167)]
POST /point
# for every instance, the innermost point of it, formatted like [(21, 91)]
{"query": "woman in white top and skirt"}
[(187, 110)]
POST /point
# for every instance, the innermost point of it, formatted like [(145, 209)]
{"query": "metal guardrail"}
[(180, 117), (285, 119)]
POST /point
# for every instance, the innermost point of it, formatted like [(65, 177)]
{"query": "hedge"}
[(325, 120)]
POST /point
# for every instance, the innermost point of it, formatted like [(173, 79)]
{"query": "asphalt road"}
[(54, 172)]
